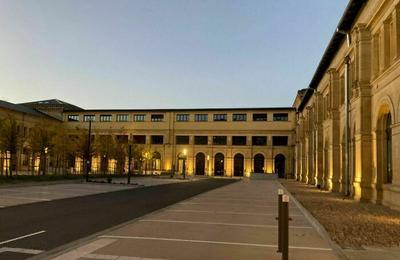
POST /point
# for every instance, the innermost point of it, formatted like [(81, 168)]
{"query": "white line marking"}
[(229, 204), (20, 250), (26, 198), (219, 223), (229, 212), (214, 242), (114, 257), (21, 237)]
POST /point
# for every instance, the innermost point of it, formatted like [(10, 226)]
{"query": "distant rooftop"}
[(52, 103), (20, 108)]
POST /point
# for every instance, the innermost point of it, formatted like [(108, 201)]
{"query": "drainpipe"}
[(348, 188)]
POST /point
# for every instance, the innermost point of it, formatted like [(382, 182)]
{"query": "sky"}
[(162, 53)]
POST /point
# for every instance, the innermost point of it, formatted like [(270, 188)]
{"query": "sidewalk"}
[(233, 222)]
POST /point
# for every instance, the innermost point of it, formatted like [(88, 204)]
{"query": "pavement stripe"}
[(230, 212), (214, 242), (25, 198), (85, 250), (116, 257), (219, 223), (22, 237), (230, 204), (20, 250)]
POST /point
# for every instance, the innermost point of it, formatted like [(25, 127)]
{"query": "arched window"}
[(200, 163)]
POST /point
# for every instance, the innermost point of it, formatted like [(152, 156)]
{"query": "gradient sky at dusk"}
[(164, 53)]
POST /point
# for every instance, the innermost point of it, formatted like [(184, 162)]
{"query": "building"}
[(211, 142), (348, 131)]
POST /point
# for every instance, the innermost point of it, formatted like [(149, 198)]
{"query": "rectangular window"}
[(139, 139), (201, 140), (182, 139), (239, 140), (157, 117), (182, 117), (259, 140), (73, 118), (122, 117), (220, 117), (105, 118), (139, 117), (87, 118), (280, 140), (239, 117), (281, 117), (219, 140), (201, 117), (123, 139), (260, 117), (157, 139)]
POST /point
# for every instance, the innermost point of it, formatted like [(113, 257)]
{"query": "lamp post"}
[(45, 160), (184, 164), (88, 151), (208, 165), (129, 163)]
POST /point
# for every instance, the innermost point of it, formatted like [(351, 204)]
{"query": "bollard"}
[(280, 194), (285, 227)]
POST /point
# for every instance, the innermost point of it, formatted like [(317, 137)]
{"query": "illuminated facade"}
[(214, 142), (354, 146)]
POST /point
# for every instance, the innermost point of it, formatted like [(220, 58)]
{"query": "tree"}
[(105, 149), (62, 149), (10, 140), (82, 149), (41, 142)]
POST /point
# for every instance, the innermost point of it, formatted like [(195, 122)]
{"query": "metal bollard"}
[(280, 194), (285, 227)]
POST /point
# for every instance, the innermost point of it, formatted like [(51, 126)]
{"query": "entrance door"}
[(259, 163), (219, 160), (280, 165), (238, 165), (200, 163)]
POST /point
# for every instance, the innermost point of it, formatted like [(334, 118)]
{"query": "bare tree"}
[(10, 140), (41, 142)]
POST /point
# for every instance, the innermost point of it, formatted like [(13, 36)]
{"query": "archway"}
[(259, 163), (279, 163), (238, 165), (156, 161), (384, 150), (200, 163), (219, 160)]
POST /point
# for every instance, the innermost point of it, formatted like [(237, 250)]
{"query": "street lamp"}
[(184, 163), (45, 160), (208, 165)]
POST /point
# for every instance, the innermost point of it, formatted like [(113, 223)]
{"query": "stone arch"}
[(219, 164), (383, 148), (238, 164), (280, 165), (200, 167), (385, 105), (259, 163)]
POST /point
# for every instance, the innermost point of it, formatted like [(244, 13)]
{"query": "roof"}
[(346, 22), (184, 109), (20, 108), (52, 103)]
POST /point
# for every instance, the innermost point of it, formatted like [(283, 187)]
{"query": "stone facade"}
[(372, 58)]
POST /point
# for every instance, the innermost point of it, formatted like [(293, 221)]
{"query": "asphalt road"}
[(62, 221)]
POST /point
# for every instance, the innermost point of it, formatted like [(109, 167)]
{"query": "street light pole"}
[(129, 163), (88, 159)]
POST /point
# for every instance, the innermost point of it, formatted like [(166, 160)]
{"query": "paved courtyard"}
[(233, 222), (10, 196)]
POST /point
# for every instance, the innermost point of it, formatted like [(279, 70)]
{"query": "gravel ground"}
[(351, 224)]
